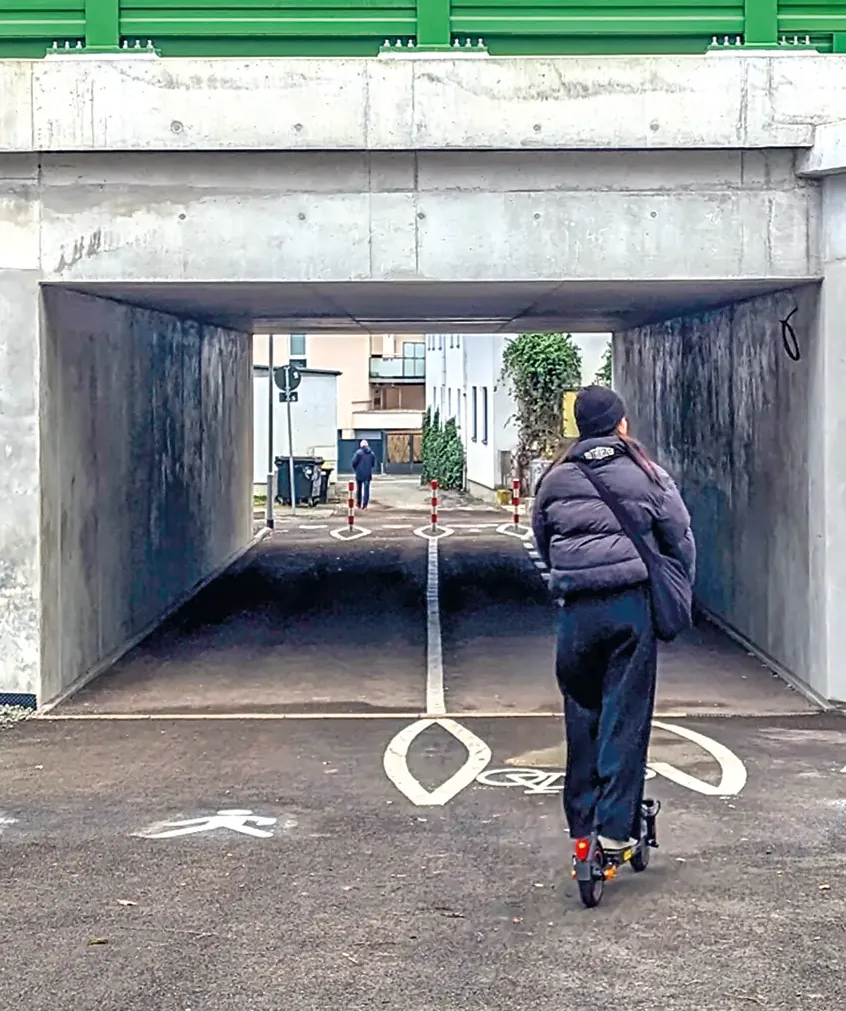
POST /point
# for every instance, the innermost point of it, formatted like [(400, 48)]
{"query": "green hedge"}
[(443, 454)]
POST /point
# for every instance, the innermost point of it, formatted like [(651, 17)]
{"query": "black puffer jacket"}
[(578, 536)]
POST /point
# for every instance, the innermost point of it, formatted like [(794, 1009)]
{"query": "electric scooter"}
[(592, 866)]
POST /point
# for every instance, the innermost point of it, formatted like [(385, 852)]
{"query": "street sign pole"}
[(270, 496), (287, 379), (288, 399)]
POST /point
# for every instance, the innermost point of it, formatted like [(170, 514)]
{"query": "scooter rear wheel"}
[(591, 891)]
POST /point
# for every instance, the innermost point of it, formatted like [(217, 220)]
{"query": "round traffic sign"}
[(287, 377)]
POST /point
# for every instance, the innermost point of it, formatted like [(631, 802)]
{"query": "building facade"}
[(463, 382), (380, 392)]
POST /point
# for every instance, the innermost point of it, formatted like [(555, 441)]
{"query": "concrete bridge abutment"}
[(149, 225)]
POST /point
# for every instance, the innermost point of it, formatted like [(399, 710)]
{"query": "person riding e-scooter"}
[(606, 656)]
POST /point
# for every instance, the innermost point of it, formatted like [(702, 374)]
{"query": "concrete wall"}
[(742, 428), (19, 580), (452, 216), (146, 470), (746, 99)]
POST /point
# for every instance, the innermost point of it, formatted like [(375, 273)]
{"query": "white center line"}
[(435, 702)]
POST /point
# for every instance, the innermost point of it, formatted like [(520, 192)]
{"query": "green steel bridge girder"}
[(360, 27)]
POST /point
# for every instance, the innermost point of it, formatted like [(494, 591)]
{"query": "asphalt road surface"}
[(319, 786)]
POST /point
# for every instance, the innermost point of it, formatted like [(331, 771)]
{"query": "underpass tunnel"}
[(147, 459)]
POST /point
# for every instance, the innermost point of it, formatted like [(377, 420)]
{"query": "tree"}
[(539, 368), (442, 451), (603, 376)]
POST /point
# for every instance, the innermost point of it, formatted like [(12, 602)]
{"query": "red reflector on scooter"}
[(582, 849)]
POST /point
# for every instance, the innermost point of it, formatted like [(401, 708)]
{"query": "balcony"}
[(398, 370)]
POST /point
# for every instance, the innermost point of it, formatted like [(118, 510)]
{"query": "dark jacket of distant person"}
[(363, 463)]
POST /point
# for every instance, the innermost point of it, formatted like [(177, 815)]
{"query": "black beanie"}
[(598, 411)]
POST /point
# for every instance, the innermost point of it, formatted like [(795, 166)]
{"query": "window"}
[(485, 415), (440, 342), (458, 340), (474, 408), (443, 401), (297, 350), (458, 408), (449, 402)]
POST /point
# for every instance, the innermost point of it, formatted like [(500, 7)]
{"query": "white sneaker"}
[(616, 845)]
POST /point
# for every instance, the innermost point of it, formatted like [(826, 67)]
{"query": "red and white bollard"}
[(350, 506), (515, 501), (434, 507)]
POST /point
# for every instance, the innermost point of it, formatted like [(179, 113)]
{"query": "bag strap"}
[(619, 511)]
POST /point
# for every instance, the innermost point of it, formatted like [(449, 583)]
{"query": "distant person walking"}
[(606, 650), (363, 463)]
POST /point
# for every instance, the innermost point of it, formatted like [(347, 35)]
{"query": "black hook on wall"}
[(788, 336)]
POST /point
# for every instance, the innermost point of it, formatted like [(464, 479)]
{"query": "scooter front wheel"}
[(640, 858)]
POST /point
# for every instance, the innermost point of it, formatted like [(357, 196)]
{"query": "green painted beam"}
[(761, 23), (433, 24), (263, 23), (726, 22), (102, 26)]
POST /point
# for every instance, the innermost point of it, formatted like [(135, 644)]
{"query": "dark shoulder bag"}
[(671, 592)]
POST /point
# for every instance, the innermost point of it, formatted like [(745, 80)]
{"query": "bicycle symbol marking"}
[(533, 781)]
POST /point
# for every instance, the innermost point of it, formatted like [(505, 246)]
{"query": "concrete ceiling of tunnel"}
[(431, 306)]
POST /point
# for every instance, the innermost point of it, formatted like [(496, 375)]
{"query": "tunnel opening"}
[(147, 448)]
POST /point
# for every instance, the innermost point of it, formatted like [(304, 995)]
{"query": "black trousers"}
[(606, 663)]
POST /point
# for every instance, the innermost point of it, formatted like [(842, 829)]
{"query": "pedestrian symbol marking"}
[(240, 820)]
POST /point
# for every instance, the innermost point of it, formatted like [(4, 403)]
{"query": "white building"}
[(462, 382), (314, 420)]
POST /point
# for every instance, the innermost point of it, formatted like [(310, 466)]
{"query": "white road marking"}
[(398, 526), (238, 820), (342, 534), (435, 701), (551, 779), (508, 529), (313, 526), (395, 763), (532, 780), (476, 714), (539, 564), (733, 777), (427, 535), (476, 526)]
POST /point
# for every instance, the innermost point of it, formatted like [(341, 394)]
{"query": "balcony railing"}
[(398, 368)]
